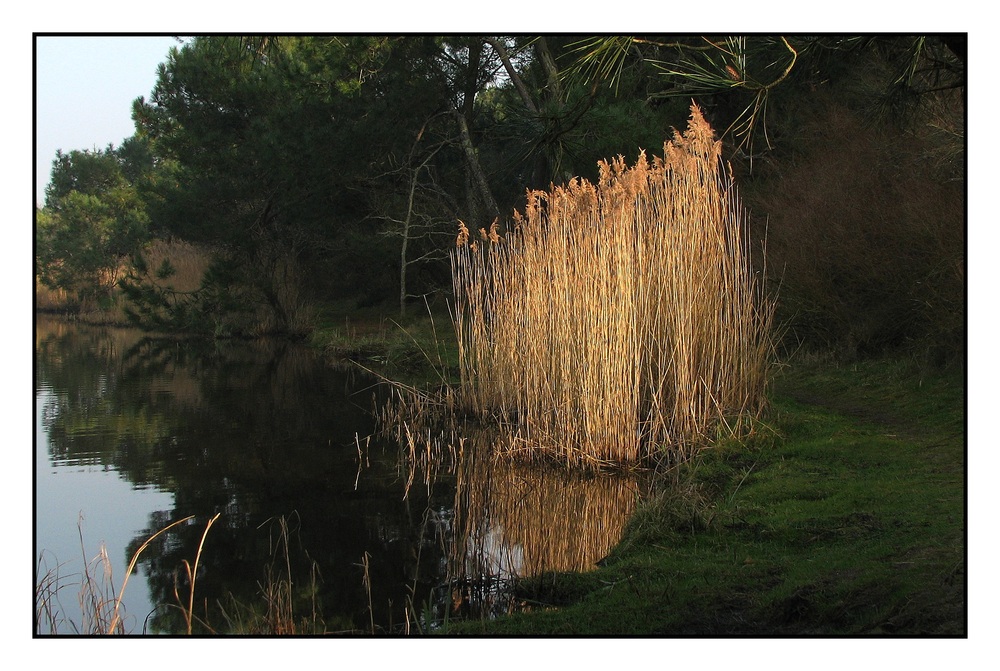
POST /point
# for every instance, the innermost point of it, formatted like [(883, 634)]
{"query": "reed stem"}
[(621, 318)]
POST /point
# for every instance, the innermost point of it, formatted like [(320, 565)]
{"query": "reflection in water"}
[(523, 520), (269, 436), (258, 431), (512, 519)]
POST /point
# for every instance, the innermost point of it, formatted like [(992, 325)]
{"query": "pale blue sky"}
[(85, 89)]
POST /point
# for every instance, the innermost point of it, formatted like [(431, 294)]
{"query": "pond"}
[(376, 534)]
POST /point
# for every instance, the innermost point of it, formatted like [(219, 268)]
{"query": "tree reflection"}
[(257, 431), (266, 434)]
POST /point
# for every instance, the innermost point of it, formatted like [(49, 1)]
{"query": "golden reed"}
[(619, 320)]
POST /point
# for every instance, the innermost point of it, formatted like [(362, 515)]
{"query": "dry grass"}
[(617, 318), (175, 266), (276, 614), (187, 263), (50, 300), (102, 613), (100, 603), (101, 306)]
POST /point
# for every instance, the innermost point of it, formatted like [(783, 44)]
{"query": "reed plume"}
[(621, 319)]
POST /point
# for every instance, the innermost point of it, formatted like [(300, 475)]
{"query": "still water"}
[(376, 528)]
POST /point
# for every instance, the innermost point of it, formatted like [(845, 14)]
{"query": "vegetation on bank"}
[(845, 515), (619, 318), (842, 514)]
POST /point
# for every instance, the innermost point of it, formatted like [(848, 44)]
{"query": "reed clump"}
[(618, 320)]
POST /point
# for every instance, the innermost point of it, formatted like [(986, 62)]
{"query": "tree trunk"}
[(476, 170), (402, 269), (552, 87), (512, 73)]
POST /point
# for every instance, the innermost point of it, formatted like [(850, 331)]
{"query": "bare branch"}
[(512, 73)]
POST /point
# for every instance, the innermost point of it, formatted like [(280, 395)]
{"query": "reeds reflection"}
[(514, 519)]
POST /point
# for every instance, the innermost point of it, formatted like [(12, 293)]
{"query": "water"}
[(134, 433)]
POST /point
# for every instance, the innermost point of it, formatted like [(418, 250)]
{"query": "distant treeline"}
[(270, 175)]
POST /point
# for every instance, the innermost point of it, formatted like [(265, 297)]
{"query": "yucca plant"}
[(620, 318)]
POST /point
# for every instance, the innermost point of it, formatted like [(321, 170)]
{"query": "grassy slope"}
[(847, 518), (419, 349), (851, 520)]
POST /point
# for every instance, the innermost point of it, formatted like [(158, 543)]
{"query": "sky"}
[(85, 88)]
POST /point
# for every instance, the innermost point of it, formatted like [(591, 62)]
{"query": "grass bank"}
[(846, 517), (419, 349)]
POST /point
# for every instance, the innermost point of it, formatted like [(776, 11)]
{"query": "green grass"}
[(843, 515), (418, 350), (846, 518)]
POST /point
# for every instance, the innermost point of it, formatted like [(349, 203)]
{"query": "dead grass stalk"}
[(620, 317)]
